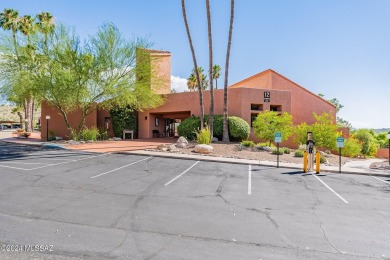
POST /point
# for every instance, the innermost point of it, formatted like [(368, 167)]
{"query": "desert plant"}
[(298, 153), (247, 143), (204, 136), (103, 135), (90, 134), (286, 150), (74, 135), (280, 152)]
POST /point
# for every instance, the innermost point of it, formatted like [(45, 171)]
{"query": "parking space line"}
[(69, 161), (5, 166), (381, 180), (27, 163), (250, 180), (120, 168), (181, 174), (338, 195)]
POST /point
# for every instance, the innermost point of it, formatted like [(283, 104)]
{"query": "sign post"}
[(340, 144), (278, 139)]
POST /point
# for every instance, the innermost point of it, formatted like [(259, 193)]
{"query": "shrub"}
[(275, 151), (123, 118), (352, 148), (286, 150), (322, 159), (90, 134), (364, 137), (74, 135), (298, 153), (103, 135), (189, 127), (204, 136), (239, 129), (247, 143)]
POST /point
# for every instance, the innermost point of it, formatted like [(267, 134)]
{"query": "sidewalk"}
[(137, 147)]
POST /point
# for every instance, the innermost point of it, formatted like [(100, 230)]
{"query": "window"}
[(257, 107), (277, 108), (253, 118)]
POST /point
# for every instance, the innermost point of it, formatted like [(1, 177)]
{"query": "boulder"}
[(181, 145), (203, 149), (182, 139), (215, 139), (172, 148)]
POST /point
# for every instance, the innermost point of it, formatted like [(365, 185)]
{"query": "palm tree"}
[(211, 115), (27, 27), (9, 20), (183, 7), (46, 26), (225, 90), (216, 74), (191, 82)]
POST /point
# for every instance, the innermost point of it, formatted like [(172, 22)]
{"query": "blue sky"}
[(340, 48)]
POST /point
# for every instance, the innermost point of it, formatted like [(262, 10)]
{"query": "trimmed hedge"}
[(239, 129)]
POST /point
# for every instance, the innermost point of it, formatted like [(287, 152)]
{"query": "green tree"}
[(99, 74), (225, 87), (369, 143), (325, 131), (183, 7), (192, 82), (300, 133), (267, 123), (216, 74)]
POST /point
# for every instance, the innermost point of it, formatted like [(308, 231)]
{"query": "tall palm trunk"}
[(225, 89), (211, 115), (195, 64)]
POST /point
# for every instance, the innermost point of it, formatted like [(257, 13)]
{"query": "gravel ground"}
[(231, 150)]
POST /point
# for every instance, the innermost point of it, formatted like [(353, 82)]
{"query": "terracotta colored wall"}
[(161, 68), (239, 104), (303, 102), (57, 123), (101, 114), (383, 153)]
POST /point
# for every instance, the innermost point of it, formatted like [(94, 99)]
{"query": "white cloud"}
[(178, 84)]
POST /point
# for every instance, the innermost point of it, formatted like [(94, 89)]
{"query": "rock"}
[(172, 148), (182, 139), (71, 142), (161, 146), (58, 138), (215, 139), (82, 142), (181, 145), (89, 141), (203, 149), (117, 139)]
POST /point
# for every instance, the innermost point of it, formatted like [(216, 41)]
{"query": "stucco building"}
[(267, 90)]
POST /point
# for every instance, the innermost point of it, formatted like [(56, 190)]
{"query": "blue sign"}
[(278, 137), (340, 142)]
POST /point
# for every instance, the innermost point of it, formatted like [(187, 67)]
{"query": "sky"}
[(339, 48)]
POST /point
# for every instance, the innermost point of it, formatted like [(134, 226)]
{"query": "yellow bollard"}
[(318, 162), (305, 161)]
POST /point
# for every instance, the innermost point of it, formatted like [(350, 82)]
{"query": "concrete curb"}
[(251, 162)]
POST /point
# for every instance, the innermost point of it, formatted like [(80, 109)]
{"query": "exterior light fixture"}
[(47, 127)]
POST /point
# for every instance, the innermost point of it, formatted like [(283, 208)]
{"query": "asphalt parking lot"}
[(103, 206)]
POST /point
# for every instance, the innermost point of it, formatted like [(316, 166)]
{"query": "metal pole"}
[(277, 166), (339, 159), (47, 129)]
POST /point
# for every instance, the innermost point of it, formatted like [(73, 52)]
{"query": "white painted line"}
[(69, 161), (338, 195), (14, 168), (250, 180), (381, 180), (27, 163), (119, 168), (178, 176)]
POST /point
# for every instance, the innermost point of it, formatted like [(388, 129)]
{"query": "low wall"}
[(382, 153)]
